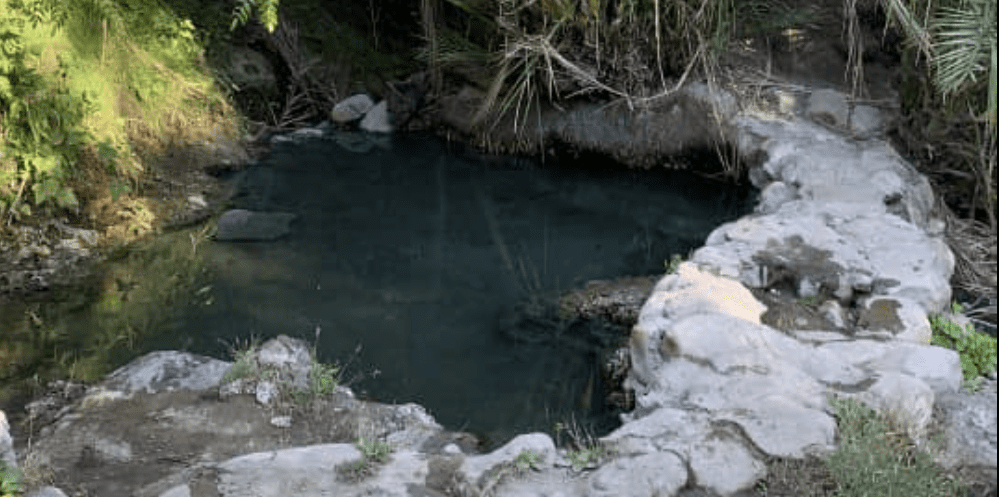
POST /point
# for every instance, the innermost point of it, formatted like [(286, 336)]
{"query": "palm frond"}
[(965, 47), (913, 27), (962, 43)]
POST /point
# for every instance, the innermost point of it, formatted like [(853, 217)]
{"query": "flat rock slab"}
[(239, 225)]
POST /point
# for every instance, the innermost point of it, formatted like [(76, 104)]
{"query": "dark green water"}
[(422, 256)]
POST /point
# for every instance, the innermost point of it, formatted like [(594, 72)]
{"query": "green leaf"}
[(119, 188), (107, 152), (45, 189), (65, 198)]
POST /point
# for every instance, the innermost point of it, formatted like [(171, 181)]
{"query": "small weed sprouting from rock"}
[(977, 350), (673, 263), (528, 459), (324, 378), (583, 451), (373, 452), (11, 480), (243, 365)]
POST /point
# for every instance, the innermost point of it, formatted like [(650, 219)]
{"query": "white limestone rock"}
[(905, 401), (377, 119), (302, 471), (290, 357), (351, 108), (647, 475), (164, 371), (829, 107), (725, 466), (50, 491), (473, 468), (178, 491), (969, 428), (7, 454), (940, 368), (833, 249)]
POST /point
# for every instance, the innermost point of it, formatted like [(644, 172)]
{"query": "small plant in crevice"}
[(673, 263), (243, 365), (583, 451), (977, 350), (526, 460), (374, 453), (813, 302), (11, 480)]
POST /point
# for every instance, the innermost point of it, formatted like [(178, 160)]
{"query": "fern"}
[(267, 9), (241, 13)]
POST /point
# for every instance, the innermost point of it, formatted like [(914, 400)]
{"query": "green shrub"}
[(874, 461), (11, 480), (977, 350), (40, 120)]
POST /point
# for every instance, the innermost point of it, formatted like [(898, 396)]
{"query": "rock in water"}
[(244, 225), (351, 108), (377, 119)]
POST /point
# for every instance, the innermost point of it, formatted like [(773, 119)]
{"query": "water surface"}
[(427, 258)]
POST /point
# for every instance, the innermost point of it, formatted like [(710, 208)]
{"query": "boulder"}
[(7, 455), (646, 475), (377, 119), (249, 69), (539, 445), (243, 225), (968, 425), (165, 371), (405, 98), (834, 109), (351, 108)]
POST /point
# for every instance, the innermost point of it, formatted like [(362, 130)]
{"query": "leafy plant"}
[(40, 123), (589, 456), (528, 459), (11, 480), (811, 302), (373, 452), (977, 350), (266, 8), (323, 379), (673, 263), (243, 365)]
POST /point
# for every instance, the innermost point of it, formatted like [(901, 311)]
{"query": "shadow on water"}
[(444, 266)]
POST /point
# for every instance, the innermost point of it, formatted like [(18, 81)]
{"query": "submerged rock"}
[(243, 225)]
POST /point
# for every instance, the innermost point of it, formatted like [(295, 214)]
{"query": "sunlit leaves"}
[(267, 12)]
